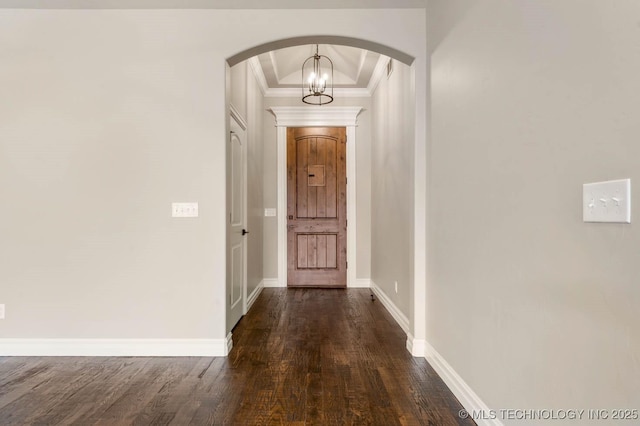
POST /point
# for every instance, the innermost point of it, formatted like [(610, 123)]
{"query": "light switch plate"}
[(607, 201), (269, 212), (184, 209), (2, 311)]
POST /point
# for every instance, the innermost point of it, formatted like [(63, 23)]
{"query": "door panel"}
[(316, 211), (317, 251), (237, 275), (236, 252), (237, 178)]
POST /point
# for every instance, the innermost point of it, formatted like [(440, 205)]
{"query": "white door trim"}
[(309, 116)]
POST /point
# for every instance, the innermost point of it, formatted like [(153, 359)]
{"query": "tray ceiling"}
[(354, 69)]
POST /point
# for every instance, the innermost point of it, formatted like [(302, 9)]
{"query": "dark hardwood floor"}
[(300, 357)]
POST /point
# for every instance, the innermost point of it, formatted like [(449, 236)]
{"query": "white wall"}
[(531, 306), (105, 121), (108, 116), (255, 172), (392, 198), (239, 89), (363, 190)]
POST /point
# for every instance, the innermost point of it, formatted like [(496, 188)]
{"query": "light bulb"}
[(321, 86)]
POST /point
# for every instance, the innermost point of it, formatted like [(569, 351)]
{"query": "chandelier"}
[(317, 80)]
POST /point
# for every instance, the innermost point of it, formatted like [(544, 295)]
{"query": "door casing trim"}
[(321, 116)]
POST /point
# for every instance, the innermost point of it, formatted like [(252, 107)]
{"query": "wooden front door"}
[(316, 207)]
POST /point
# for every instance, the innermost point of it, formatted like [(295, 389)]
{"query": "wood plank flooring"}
[(300, 357)]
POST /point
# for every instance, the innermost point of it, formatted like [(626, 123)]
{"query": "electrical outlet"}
[(396, 284), (2, 311)]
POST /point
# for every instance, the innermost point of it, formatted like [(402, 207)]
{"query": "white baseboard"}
[(361, 283), (421, 348), (467, 397), (228, 344), (271, 282), (254, 295), (396, 313), (116, 347), (415, 346)]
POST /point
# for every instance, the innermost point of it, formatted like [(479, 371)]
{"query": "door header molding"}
[(310, 116)]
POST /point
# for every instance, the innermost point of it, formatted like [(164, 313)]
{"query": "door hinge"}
[(347, 265)]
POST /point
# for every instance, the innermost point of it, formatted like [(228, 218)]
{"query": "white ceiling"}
[(355, 70)]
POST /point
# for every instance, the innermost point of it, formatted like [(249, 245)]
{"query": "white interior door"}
[(236, 228)]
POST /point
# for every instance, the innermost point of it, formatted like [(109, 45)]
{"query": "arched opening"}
[(414, 212), (322, 39)]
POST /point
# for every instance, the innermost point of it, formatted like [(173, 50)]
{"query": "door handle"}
[(245, 232)]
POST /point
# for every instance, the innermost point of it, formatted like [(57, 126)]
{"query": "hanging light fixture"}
[(317, 80)]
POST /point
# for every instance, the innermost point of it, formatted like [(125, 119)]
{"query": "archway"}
[(416, 325), (322, 39)]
